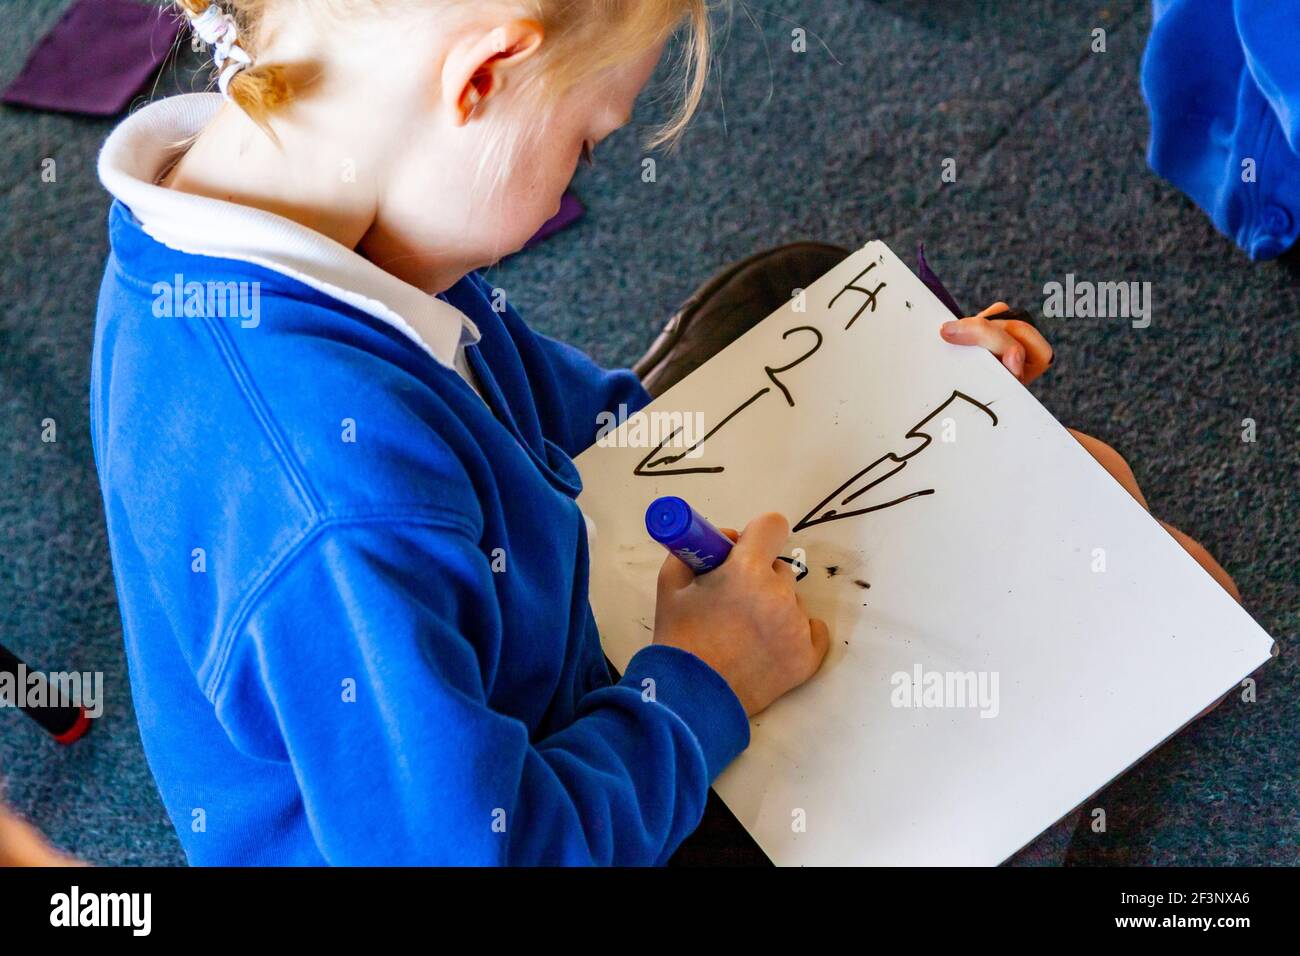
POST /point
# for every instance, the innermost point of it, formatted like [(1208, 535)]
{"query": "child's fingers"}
[(763, 538), (992, 311), (675, 574), (820, 636), (784, 571), (979, 331), (976, 330), (1038, 353)]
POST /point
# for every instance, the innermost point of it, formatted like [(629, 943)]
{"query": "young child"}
[(338, 477)]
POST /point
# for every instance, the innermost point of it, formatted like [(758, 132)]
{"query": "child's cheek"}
[(543, 190)]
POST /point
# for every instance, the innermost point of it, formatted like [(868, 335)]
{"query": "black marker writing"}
[(859, 484), (656, 464), (869, 295)]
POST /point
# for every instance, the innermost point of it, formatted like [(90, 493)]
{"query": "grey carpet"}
[(845, 143)]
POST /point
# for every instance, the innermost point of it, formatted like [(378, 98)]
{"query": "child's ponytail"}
[(582, 37), (255, 89)]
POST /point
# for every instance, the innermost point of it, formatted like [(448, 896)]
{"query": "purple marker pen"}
[(687, 534)]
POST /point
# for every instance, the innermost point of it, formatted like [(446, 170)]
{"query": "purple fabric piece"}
[(570, 211), (97, 57), (926, 275)]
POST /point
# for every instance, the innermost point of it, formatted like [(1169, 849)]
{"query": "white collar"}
[(144, 145)]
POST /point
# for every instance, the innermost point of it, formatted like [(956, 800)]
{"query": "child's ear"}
[(477, 65)]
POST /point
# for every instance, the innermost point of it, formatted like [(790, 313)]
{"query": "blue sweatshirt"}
[(1222, 82), (376, 650)]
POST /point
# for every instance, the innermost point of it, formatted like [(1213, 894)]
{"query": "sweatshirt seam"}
[(282, 561), (266, 419)]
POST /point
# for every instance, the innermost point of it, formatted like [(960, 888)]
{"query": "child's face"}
[(549, 155), (438, 208)]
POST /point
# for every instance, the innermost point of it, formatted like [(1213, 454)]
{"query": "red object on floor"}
[(76, 731)]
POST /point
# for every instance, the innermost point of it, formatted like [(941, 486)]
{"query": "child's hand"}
[(744, 619), (1019, 345)]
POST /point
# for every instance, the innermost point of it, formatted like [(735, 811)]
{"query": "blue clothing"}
[(379, 650), (1222, 82)]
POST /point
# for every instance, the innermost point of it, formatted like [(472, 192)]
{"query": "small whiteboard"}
[(1010, 630)]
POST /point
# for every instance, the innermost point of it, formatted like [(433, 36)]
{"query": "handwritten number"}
[(651, 465), (656, 463), (870, 295), (772, 372), (818, 516)]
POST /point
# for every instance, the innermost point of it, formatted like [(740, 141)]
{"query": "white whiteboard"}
[(1013, 553)]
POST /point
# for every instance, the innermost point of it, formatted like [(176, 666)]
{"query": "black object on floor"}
[(66, 723)]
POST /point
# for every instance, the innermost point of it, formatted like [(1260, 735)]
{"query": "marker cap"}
[(667, 519), (686, 533)]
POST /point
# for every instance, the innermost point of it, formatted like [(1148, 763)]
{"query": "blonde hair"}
[(583, 37)]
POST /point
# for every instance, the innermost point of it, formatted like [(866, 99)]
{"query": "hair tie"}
[(219, 31)]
